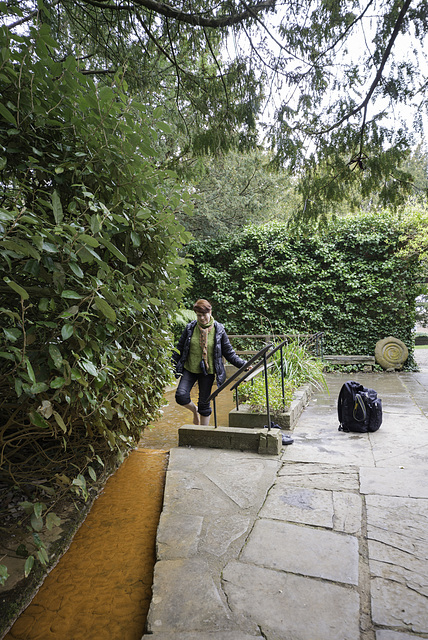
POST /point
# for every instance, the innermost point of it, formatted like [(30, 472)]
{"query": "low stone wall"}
[(259, 441), (244, 417)]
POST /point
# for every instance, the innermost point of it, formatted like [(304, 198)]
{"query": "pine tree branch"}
[(363, 105), (196, 20)]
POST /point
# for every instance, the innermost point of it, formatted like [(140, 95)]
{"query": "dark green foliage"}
[(349, 283), (90, 268), (237, 189)]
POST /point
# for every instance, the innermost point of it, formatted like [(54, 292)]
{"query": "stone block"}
[(270, 442), (257, 440)]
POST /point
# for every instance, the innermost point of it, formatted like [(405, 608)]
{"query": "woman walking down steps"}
[(199, 358)]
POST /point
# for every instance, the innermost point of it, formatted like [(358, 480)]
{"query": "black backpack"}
[(358, 408)]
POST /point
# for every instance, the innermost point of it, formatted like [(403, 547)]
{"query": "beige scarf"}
[(203, 340)]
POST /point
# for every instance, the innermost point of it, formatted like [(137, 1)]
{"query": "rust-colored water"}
[(164, 433), (101, 588)]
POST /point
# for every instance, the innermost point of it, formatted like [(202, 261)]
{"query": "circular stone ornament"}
[(391, 353)]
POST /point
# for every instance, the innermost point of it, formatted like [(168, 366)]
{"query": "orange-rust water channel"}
[(101, 587)]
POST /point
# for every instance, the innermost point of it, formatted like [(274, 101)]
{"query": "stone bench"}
[(367, 361)]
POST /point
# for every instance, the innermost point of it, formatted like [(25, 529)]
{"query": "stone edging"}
[(245, 417)]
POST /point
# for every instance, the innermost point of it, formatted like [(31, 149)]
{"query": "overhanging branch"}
[(387, 52), (194, 19)]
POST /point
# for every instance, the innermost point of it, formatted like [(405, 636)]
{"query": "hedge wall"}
[(350, 282)]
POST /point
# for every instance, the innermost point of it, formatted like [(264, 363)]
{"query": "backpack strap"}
[(346, 390), (359, 402), (340, 403)]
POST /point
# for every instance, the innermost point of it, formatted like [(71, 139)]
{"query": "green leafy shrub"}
[(296, 367), (299, 366), (181, 320), (254, 394), (91, 274)]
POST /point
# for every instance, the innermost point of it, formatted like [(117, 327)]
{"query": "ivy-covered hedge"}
[(349, 282)]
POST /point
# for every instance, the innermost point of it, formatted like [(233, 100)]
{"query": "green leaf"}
[(76, 270), (104, 307), (52, 520), (88, 240), (56, 355), (42, 555), (87, 254), (69, 294), (60, 422), (36, 522), (96, 224), (21, 247), (57, 383), (71, 311), (67, 331), (77, 375), (39, 387), (29, 563), (136, 239), (92, 473), (7, 115), (7, 356), (38, 420), (12, 334), (3, 574), (49, 247), (17, 288), (39, 507), (28, 508), (113, 249), (89, 367), (57, 207), (30, 370), (163, 126), (80, 481)]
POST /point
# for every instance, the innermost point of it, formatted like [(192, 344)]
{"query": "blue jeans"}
[(187, 382)]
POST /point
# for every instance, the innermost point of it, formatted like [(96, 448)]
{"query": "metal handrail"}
[(266, 357), (244, 372)]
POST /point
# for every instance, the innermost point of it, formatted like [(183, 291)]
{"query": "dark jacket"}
[(222, 347)]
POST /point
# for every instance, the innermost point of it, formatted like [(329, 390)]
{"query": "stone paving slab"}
[(186, 598), (303, 550), (326, 541), (168, 545), (393, 605), (393, 481), (384, 634), (321, 476), (202, 635), (328, 446), (336, 510), (295, 504), (290, 606)]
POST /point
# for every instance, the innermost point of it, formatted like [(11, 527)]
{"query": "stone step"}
[(258, 440)]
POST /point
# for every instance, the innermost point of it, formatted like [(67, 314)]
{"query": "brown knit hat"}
[(202, 306)]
